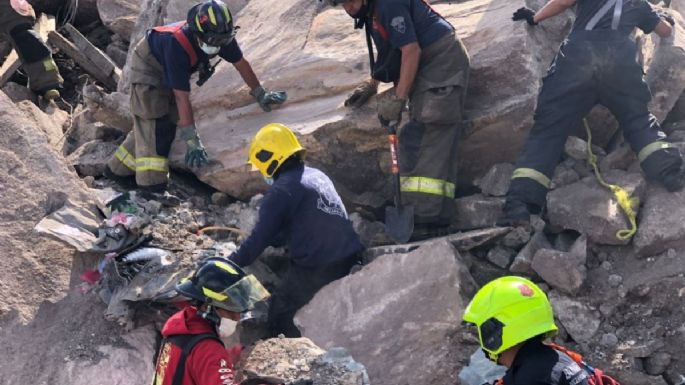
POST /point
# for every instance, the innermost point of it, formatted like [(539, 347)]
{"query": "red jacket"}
[(209, 363)]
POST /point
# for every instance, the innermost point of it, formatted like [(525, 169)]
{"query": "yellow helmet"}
[(508, 311), (273, 145)]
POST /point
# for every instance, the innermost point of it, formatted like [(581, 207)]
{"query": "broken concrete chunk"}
[(517, 238), (524, 259), (619, 159), (578, 319), (591, 209), (91, 158), (119, 16), (576, 148), (476, 212), (564, 175), (496, 181), (501, 256), (661, 223), (559, 269)]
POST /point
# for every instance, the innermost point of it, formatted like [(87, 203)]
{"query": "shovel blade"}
[(399, 222)]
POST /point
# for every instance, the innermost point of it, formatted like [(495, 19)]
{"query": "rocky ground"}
[(619, 302)]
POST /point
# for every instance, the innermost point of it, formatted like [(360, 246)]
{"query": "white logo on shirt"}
[(398, 24), (329, 201)]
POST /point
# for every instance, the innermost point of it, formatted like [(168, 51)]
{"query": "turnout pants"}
[(35, 56), (144, 152), (297, 289), (428, 142), (592, 67)]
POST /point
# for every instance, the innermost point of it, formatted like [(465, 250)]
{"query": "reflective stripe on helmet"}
[(212, 16)]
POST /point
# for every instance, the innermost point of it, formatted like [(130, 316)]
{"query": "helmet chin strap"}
[(210, 315)]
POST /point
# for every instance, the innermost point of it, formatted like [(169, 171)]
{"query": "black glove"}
[(361, 94), (526, 14), (665, 16)]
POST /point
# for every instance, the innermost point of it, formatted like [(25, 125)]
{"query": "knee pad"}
[(28, 44), (165, 132)]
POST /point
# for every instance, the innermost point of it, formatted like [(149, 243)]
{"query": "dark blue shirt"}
[(303, 207), (401, 22), (176, 62), (635, 13)]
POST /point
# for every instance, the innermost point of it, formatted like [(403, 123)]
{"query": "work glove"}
[(390, 107), (266, 98), (526, 14), (361, 94), (665, 16), (196, 156)]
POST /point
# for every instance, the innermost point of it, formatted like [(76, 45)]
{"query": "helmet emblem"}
[(525, 290)]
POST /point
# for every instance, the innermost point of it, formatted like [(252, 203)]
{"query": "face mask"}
[(227, 327), (209, 50), (268, 180)]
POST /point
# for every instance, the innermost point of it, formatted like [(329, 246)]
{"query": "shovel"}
[(399, 220)]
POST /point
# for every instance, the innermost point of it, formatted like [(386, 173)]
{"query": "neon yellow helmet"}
[(273, 145), (508, 311)]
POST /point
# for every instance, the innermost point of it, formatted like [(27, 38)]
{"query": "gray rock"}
[(18, 92), (476, 211), (576, 148), (524, 259), (589, 208), (501, 256), (619, 159), (119, 16), (117, 53), (91, 158), (496, 181), (481, 370), (615, 280), (635, 349), (609, 340), (559, 269), (220, 199), (564, 175), (517, 238), (382, 309), (661, 223), (657, 363), (578, 319), (370, 233)]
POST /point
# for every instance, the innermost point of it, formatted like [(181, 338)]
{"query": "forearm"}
[(185, 109), (411, 56), (553, 8), (245, 70)]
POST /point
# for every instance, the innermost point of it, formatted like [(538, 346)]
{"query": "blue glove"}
[(196, 156), (266, 98)]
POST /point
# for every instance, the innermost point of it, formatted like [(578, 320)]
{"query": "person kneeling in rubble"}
[(161, 66), (303, 208), (514, 318), (191, 352)]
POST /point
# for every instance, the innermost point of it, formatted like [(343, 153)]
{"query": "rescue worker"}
[(596, 64), (161, 67), (302, 208), (17, 19), (420, 53), (514, 319), (191, 352)]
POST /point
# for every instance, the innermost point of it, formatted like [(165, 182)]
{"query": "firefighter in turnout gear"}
[(418, 51), (191, 352), (514, 320), (596, 64), (16, 22), (161, 67)]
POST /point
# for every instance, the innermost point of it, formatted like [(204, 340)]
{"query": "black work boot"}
[(673, 180), (423, 231), (125, 182), (514, 213)]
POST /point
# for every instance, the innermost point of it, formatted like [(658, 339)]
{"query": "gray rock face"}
[(661, 223), (578, 319), (496, 182), (501, 256), (590, 209), (619, 159), (17, 92), (381, 310), (667, 85), (91, 158), (524, 259), (559, 269), (476, 212), (119, 16)]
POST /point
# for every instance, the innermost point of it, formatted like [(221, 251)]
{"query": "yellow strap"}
[(531, 174), (628, 204), (155, 163), (426, 185), (652, 148), (126, 158)]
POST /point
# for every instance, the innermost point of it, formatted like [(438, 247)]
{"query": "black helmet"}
[(212, 22), (221, 283)]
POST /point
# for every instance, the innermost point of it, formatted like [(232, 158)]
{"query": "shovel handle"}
[(394, 155)]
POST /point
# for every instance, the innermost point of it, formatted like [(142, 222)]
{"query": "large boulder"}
[(388, 318), (661, 223), (119, 16), (591, 209)]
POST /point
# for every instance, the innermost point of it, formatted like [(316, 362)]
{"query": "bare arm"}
[(411, 55), (245, 70), (553, 8), (663, 29), (185, 109)]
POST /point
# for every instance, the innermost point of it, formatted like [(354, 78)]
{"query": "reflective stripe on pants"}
[(419, 184)]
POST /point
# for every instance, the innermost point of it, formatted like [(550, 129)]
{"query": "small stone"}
[(671, 253), (496, 181), (606, 265), (517, 238), (220, 199), (559, 269), (657, 363), (501, 256), (89, 180), (185, 216), (615, 280), (609, 340), (606, 309)]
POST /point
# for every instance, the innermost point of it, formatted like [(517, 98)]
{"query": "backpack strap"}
[(177, 30), (187, 342)]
